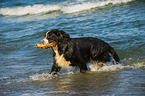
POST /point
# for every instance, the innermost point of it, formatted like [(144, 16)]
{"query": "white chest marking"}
[(60, 60)]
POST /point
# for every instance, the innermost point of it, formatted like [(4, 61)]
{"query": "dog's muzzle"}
[(44, 41)]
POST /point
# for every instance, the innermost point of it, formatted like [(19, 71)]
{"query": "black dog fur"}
[(78, 51)]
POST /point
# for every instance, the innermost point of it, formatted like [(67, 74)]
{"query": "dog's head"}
[(52, 38)]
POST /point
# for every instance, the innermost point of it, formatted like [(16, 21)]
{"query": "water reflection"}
[(92, 83)]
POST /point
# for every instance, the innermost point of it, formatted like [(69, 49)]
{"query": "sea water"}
[(24, 69)]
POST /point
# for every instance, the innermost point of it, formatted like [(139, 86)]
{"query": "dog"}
[(76, 51)]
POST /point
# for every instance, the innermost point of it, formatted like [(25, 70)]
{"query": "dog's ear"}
[(63, 36)]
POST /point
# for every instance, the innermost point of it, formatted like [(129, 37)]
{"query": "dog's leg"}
[(55, 69), (80, 62), (83, 67)]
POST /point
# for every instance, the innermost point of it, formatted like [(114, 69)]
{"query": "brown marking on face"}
[(53, 43)]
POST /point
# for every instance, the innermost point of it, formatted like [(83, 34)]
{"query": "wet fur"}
[(78, 51)]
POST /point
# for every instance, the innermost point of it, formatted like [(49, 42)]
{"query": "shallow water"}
[(24, 69)]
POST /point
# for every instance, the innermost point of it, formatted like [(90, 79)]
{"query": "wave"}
[(69, 71), (35, 9), (92, 67), (40, 8)]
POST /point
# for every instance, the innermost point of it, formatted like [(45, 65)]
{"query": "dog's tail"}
[(114, 54)]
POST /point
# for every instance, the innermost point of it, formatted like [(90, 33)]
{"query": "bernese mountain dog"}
[(76, 51)]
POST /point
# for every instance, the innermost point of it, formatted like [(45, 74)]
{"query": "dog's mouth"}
[(45, 45)]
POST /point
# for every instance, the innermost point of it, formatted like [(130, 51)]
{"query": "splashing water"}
[(92, 67)]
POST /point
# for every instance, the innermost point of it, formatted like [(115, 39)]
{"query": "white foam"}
[(92, 67), (117, 67), (41, 77), (48, 76), (35, 9), (106, 68), (138, 65), (90, 5), (40, 8)]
